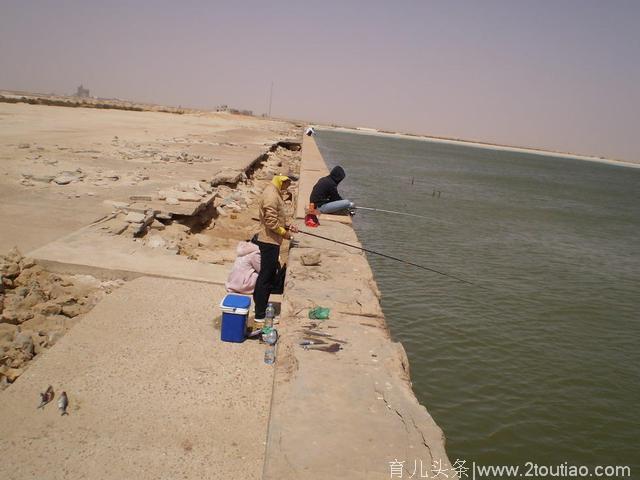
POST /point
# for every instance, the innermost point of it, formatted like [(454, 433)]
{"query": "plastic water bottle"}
[(270, 314), (270, 355), (269, 335)]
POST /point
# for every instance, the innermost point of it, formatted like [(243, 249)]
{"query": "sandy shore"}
[(487, 146)]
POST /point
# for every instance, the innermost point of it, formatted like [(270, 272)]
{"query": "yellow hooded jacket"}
[(272, 214)]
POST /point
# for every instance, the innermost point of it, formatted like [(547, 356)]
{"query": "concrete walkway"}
[(343, 407), (153, 392)]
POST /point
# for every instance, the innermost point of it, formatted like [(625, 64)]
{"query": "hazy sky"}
[(554, 74)]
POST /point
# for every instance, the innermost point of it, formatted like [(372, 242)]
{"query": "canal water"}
[(538, 360)]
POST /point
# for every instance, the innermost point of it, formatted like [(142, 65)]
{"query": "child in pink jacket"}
[(244, 273)]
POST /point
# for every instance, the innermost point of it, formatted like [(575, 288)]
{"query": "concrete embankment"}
[(343, 406)]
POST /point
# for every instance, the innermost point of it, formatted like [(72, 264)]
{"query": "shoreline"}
[(486, 146), (342, 383)]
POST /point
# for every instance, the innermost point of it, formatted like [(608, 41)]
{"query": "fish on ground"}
[(63, 403), (46, 397)]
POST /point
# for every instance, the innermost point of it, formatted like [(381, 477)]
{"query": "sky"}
[(554, 74)]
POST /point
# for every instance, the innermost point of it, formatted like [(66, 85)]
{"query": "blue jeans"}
[(336, 206)]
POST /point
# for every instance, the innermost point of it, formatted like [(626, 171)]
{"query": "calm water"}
[(539, 360)]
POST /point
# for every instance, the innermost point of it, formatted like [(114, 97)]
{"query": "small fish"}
[(46, 397), (63, 403)]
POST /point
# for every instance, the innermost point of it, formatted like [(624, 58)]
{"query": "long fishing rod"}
[(387, 256), (400, 213)]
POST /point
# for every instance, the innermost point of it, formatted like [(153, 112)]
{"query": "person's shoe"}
[(260, 321)]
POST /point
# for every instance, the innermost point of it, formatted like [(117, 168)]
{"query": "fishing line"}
[(401, 213), (388, 256), (482, 287)]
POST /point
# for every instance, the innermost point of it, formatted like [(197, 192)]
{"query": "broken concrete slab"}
[(172, 206), (135, 217), (185, 194), (89, 251)]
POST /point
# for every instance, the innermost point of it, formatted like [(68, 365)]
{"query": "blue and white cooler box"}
[(235, 310)]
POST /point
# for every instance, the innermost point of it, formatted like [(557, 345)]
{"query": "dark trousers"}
[(269, 254)]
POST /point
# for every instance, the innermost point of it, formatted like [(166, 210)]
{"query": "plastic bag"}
[(319, 313), (310, 220)]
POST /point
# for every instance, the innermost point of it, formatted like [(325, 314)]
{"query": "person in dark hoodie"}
[(325, 194)]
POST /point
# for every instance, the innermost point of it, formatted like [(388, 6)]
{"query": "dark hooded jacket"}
[(326, 190)]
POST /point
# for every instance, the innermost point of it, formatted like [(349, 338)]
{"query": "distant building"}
[(82, 92), (228, 109)]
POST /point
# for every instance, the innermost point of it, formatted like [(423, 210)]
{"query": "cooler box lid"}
[(238, 304)]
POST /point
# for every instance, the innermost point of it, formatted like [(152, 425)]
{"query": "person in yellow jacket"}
[(273, 229)]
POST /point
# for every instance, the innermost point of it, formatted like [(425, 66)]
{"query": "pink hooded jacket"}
[(244, 273)]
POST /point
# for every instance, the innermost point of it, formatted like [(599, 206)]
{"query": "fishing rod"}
[(400, 213), (388, 256)]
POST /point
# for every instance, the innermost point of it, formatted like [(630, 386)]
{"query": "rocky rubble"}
[(37, 307), (97, 178), (226, 212)]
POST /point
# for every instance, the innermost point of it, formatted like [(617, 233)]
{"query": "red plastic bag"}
[(310, 220)]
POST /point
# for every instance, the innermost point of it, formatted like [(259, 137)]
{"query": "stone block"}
[(135, 217)]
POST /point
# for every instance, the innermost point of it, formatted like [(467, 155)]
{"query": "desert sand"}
[(78, 161)]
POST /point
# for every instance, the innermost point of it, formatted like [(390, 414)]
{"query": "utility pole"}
[(270, 98)]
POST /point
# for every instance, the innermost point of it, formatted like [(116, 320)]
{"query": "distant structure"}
[(82, 92), (228, 109)]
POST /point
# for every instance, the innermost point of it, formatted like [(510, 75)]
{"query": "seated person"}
[(325, 194)]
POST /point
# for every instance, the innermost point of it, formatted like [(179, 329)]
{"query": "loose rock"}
[(156, 225), (11, 374), (65, 178), (310, 259), (156, 241), (73, 310)]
